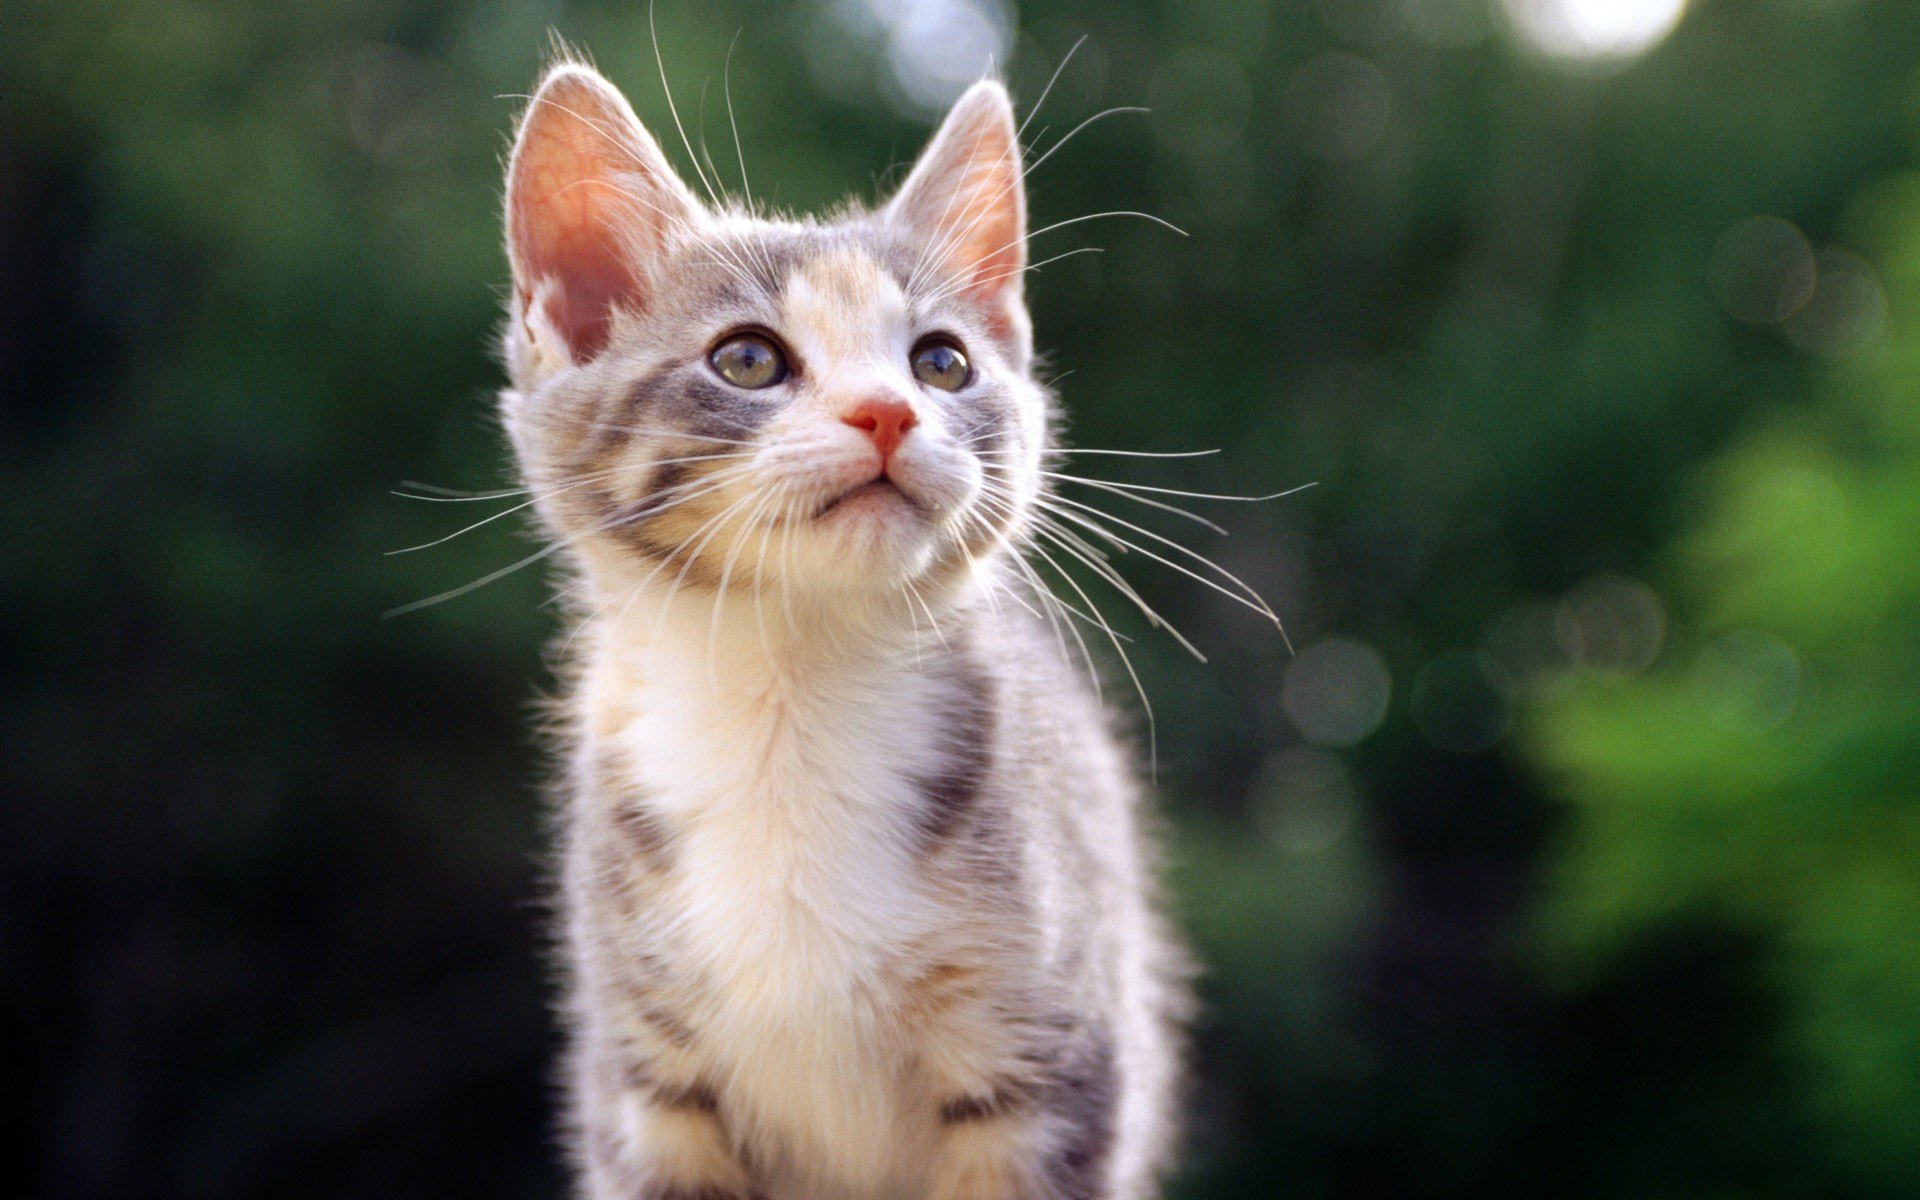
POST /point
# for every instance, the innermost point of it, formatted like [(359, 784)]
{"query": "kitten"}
[(855, 899)]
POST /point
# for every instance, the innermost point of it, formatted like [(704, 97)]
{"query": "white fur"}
[(784, 776)]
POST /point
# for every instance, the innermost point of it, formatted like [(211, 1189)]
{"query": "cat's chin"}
[(875, 500), (873, 535)]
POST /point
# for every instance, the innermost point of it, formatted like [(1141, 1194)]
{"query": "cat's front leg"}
[(1042, 1129), (650, 1119), (649, 1138)]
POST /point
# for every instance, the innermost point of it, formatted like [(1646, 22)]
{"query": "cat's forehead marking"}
[(838, 299)]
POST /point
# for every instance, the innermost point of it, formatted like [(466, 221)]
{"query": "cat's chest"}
[(797, 880), (799, 896)]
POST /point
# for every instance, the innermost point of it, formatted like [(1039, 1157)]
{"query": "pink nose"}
[(885, 421)]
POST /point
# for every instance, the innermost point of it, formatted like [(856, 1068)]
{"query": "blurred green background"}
[(1575, 853)]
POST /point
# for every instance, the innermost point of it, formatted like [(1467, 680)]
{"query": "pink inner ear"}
[(576, 207), (992, 254), (588, 268), (965, 199), (988, 248)]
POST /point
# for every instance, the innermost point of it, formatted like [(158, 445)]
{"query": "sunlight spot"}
[(1594, 30), (934, 48)]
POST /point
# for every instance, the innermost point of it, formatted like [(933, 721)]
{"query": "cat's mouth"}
[(881, 490)]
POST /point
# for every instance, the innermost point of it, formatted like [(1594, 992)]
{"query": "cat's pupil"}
[(749, 360)]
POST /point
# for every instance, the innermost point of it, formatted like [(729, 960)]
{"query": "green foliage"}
[(1768, 773)]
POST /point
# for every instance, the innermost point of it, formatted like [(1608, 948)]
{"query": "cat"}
[(855, 899)]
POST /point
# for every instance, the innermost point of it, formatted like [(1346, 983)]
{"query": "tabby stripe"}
[(999, 1101), (1085, 1093), (698, 1191), (949, 796), (694, 1097)]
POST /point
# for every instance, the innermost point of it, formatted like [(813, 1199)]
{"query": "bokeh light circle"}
[(1762, 270), (1336, 691), (1594, 30)]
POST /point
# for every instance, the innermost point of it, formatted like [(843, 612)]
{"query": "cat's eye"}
[(749, 360), (939, 363)]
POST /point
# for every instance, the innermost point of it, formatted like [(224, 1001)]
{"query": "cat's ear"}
[(591, 203), (966, 201)]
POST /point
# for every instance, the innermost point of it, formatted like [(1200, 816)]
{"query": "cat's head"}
[(827, 407)]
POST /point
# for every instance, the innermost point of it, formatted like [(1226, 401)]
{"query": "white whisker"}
[(1146, 705), (726, 86), (1161, 491), (654, 33), (1048, 90), (1086, 518)]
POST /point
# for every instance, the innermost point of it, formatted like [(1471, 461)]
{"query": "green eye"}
[(941, 364), (749, 360)]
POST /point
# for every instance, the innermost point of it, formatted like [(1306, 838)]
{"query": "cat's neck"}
[(728, 707), (747, 645)]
